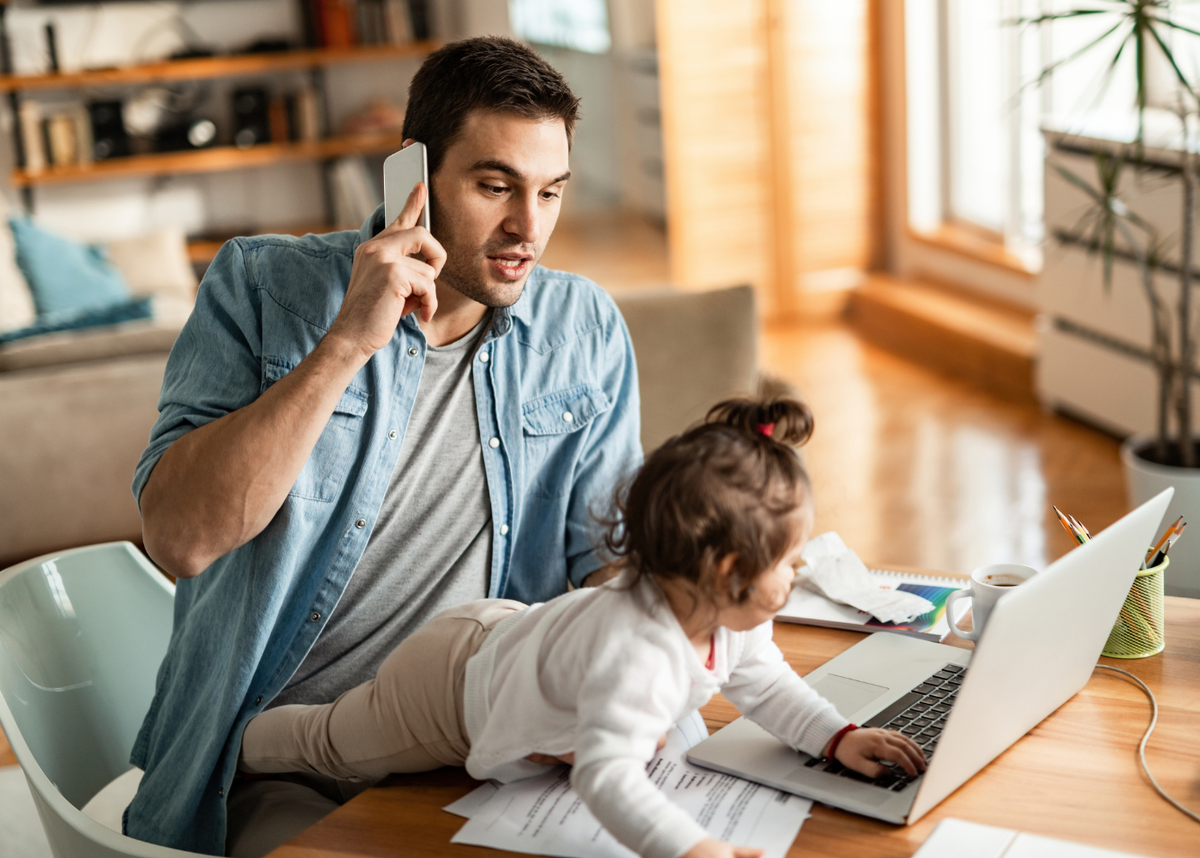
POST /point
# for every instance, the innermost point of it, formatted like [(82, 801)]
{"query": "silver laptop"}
[(1039, 648)]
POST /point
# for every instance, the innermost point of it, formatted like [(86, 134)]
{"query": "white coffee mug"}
[(988, 584)]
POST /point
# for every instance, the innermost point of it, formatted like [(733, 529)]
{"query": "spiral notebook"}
[(812, 609)]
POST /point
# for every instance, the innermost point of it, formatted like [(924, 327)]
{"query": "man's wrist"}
[(342, 352)]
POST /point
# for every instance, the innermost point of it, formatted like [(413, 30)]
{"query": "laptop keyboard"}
[(920, 715)]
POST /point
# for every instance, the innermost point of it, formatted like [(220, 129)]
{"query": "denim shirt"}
[(557, 400)]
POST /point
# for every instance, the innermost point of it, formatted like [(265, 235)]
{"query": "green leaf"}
[(1171, 58), (1050, 69)]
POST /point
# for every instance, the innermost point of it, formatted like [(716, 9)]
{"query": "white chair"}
[(82, 633)]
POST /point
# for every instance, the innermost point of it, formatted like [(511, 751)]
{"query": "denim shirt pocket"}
[(553, 427), (324, 474)]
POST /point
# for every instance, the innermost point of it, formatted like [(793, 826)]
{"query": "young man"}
[(360, 430)]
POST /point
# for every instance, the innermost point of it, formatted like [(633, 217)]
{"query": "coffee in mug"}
[(988, 584)]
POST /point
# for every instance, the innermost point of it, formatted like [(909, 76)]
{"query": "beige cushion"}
[(16, 301), (693, 350), (72, 436), (155, 264), (141, 336)]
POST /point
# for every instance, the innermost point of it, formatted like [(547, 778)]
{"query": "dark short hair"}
[(488, 73), (730, 486)]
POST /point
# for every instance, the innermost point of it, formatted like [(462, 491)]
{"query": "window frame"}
[(948, 251)]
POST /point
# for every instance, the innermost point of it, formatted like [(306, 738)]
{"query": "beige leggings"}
[(409, 718)]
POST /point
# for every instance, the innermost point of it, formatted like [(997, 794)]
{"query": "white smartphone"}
[(401, 172)]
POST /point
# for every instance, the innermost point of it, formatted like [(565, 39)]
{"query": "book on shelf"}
[(812, 609), (397, 21), (344, 23), (355, 194), (304, 115), (33, 144), (58, 136), (60, 140)]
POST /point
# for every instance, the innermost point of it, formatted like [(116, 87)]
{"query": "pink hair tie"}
[(766, 429)]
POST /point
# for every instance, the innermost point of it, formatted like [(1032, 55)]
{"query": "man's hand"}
[(865, 750), (393, 275)]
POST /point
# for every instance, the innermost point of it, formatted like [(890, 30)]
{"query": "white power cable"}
[(1146, 738)]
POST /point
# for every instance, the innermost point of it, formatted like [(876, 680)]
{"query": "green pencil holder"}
[(1138, 631)]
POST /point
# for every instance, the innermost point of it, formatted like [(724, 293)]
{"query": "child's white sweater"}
[(604, 672)]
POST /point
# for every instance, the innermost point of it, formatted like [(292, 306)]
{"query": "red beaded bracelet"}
[(837, 739)]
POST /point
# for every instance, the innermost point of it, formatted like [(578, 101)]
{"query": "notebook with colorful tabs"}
[(812, 609)]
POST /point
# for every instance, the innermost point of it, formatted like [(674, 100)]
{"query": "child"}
[(708, 534)]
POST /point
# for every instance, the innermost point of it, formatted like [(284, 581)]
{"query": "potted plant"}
[(1145, 34)]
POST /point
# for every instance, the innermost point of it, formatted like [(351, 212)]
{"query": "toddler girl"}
[(708, 537)]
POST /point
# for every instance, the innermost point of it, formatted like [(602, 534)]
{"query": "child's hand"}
[(864, 750), (710, 848)]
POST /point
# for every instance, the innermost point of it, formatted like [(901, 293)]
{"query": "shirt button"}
[(504, 530), (258, 701), (221, 792), (413, 351), (361, 523), (568, 416), (494, 443), (392, 434), (483, 356), (314, 616)]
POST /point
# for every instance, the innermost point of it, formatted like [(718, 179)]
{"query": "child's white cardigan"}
[(604, 672)]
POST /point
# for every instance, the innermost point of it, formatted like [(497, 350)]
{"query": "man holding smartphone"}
[(360, 430)]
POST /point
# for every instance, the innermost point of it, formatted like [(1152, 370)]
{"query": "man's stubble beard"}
[(461, 272)]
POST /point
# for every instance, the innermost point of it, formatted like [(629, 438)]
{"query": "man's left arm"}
[(613, 453)]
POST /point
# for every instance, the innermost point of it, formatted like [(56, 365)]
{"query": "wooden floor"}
[(911, 467), (918, 469)]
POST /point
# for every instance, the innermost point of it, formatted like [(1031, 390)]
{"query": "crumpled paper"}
[(836, 572)]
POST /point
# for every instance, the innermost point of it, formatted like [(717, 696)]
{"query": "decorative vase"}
[(1143, 480)]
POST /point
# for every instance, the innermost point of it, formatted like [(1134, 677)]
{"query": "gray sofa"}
[(75, 412)]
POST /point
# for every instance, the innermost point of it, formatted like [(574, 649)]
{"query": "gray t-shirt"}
[(431, 548)]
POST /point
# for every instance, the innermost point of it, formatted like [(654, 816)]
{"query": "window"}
[(974, 142), (975, 116), (578, 24)]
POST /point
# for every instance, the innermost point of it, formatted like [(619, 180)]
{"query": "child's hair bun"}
[(781, 419)]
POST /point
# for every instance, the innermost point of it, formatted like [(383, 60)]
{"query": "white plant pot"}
[(1143, 480)]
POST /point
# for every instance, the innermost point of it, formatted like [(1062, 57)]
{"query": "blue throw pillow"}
[(64, 276), (125, 311)]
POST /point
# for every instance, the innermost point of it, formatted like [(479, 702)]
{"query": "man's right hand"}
[(393, 275), (218, 486)]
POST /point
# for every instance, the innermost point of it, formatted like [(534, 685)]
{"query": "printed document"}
[(544, 816)]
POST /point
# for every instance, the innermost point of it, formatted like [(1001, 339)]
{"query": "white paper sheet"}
[(474, 800), (544, 816), (954, 838), (837, 573)]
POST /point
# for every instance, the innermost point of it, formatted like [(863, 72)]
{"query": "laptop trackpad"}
[(848, 695)]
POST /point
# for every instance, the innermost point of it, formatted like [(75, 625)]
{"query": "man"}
[(360, 430)]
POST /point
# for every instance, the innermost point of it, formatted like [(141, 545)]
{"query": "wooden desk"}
[(1075, 776)]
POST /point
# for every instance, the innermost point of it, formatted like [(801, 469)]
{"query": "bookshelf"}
[(207, 68), (313, 60), (211, 160)]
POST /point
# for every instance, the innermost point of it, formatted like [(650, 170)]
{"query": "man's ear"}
[(408, 141)]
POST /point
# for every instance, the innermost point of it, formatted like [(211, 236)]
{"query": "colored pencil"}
[(1163, 541)]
